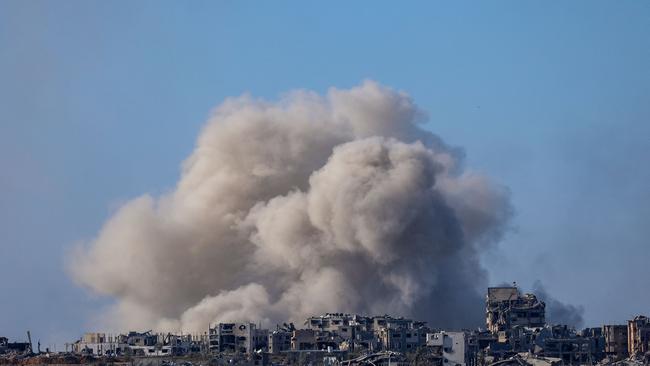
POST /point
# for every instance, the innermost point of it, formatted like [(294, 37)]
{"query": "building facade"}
[(507, 308)]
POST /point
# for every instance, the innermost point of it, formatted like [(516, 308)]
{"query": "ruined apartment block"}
[(615, 341), (344, 325), (279, 341), (237, 338), (638, 336), (518, 324), (517, 335), (507, 308), (136, 344)]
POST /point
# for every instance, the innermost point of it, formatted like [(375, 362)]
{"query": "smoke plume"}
[(312, 204), (558, 312)]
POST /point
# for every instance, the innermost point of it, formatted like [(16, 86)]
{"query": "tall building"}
[(638, 335), (615, 341), (507, 308)]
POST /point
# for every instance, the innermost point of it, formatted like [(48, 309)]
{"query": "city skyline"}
[(102, 102)]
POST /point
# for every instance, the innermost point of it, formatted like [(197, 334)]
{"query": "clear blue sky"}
[(101, 101)]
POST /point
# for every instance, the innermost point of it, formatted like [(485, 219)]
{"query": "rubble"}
[(517, 334), (526, 359)]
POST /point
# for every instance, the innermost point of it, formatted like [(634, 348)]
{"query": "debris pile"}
[(517, 334)]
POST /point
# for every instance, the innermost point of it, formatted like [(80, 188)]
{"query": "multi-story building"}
[(399, 334), (453, 347), (597, 342), (138, 344), (310, 340), (401, 339), (367, 333), (615, 341), (99, 344), (137, 339), (237, 338), (507, 308), (638, 336), (572, 351), (344, 325), (279, 341)]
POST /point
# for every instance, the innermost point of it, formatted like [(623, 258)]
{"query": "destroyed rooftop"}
[(517, 334)]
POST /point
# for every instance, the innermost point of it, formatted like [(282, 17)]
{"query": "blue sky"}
[(101, 102)]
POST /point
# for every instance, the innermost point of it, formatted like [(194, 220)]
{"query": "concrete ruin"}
[(615, 341), (516, 334), (517, 324), (507, 308), (638, 336), (139, 344), (237, 338), (453, 348)]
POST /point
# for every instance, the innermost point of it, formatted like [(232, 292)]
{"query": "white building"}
[(453, 345)]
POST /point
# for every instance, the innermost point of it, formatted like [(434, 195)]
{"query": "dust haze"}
[(313, 203)]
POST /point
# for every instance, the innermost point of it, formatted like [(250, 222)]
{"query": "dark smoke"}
[(558, 312)]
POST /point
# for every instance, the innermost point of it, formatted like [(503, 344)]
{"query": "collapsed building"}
[(571, 347), (627, 344), (356, 332), (137, 344), (526, 359), (98, 344), (518, 323), (15, 347), (517, 333)]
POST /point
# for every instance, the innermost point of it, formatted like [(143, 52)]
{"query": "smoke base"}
[(306, 205)]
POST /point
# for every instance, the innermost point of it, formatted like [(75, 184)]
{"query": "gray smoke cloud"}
[(311, 204), (558, 312)]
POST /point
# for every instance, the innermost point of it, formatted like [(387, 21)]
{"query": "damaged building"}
[(310, 339), (137, 344), (14, 347), (615, 341), (453, 348), (237, 338), (519, 324), (526, 359), (280, 341), (99, 344), (507, 308), (401, 335), (638, 336), (341, 324), (517, 333), (356, 332)]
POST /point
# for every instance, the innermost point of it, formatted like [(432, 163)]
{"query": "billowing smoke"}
[(558, 312), (312, 204)]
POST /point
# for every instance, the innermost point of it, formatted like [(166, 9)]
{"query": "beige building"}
[(506, 308), (638, 336)]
